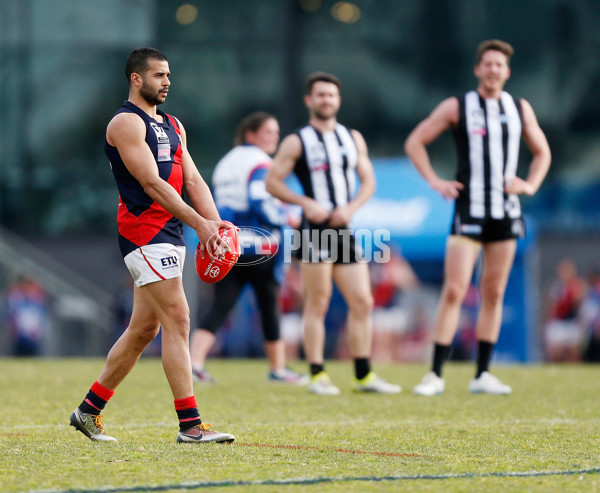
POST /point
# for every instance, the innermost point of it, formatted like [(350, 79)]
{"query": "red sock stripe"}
[(102, 391), (91, 404), (187, 403)]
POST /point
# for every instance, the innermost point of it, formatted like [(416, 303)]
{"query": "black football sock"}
[(362, 367), (441, 353), (316, 369), (484, 354)]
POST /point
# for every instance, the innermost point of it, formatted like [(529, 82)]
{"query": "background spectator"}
[(26, 315), (563, 334), (590, 319)]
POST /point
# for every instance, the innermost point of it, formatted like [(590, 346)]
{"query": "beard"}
[(150, 95), (320, 115)]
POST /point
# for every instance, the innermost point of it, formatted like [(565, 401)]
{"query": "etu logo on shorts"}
[(169, 261)]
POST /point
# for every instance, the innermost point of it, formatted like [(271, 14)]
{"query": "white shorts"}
[(153, 263)]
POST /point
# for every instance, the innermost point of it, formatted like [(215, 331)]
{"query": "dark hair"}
[(321, 77), (250, 123), (496, 45), (137, 62)]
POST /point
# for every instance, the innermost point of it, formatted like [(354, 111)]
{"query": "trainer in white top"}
[(488, 384), (430, 385)]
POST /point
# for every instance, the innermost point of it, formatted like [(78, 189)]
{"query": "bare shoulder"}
[(530, 122), (448, 110), (526, 109), (291, 146), (356, 134), (125, 120), (124, 126), (359, 140), (531, 128)]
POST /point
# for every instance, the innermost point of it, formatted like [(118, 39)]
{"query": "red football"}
[(214, 270)]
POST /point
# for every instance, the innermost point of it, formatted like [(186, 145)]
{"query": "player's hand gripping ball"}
[(214, 270)]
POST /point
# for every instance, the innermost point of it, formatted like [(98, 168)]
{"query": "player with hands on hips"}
[(488, 125)]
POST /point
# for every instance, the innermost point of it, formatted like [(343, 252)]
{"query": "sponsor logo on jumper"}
[(318, 154), (478, 116), (477, 122), (161, 135)]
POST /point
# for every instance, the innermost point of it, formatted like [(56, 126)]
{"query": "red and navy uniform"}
[(140, 220)]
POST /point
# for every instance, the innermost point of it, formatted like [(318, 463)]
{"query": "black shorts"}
[(486, 230), (318, 243)]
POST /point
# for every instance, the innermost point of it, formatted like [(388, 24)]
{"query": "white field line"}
[(190, 485)]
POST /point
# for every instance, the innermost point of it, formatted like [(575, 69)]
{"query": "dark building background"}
[(62, 78)]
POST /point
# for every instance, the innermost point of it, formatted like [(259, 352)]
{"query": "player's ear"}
[(307, 100), (136, 79)]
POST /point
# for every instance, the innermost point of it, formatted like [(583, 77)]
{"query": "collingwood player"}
[(325, 156), (488, 125)]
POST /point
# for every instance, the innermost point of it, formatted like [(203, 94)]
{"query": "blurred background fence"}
[(62, 78)]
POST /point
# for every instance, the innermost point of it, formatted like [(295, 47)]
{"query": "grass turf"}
[(543, 437)]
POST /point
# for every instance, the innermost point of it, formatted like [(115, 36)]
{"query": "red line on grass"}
[(341, 450)]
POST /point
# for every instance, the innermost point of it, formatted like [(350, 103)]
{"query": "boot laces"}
[(98, 422)]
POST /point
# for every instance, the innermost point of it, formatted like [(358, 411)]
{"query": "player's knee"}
[(183, 325), (362, 306), (317, 304), (492, 294), (152, 332), (453, 292), (145, 334), (179, 322)]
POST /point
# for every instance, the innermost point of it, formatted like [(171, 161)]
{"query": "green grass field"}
[(543, 437)]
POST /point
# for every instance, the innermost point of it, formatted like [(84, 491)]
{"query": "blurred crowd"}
[(572, 329), (402, 317), (26, 316)]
